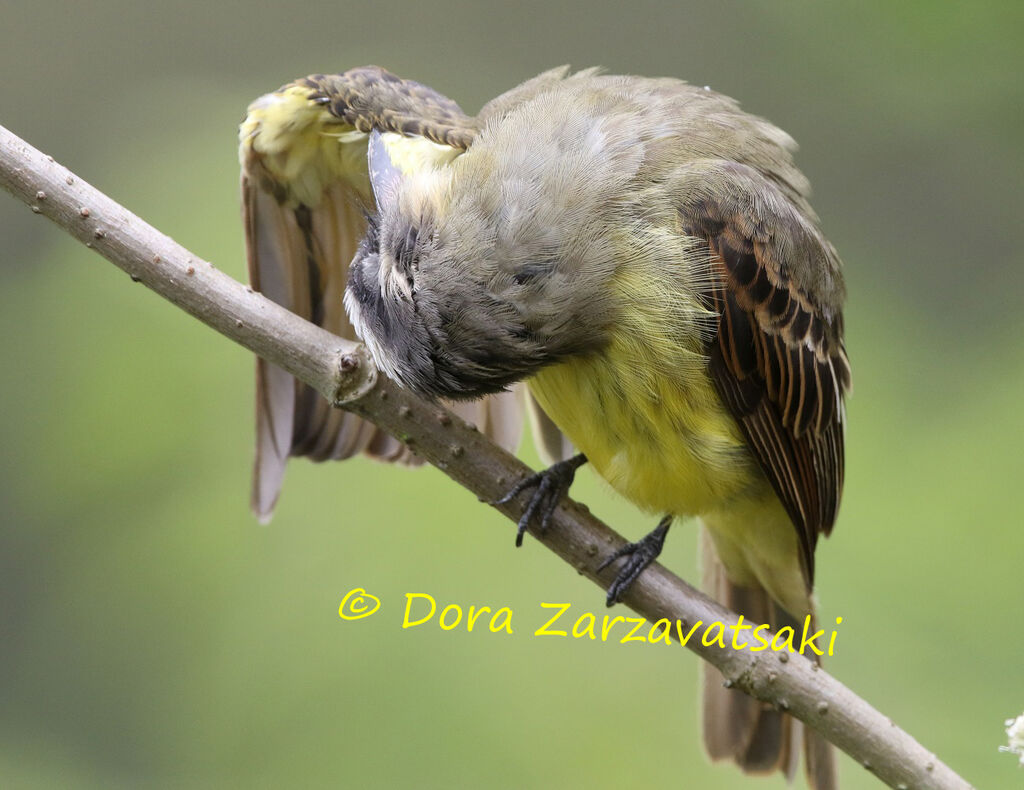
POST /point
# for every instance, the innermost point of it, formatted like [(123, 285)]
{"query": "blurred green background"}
[(153, 635)]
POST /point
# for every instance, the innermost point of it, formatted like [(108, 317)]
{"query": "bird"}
[(634, 262)]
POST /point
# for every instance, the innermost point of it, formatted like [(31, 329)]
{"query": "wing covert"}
[(778, 359)]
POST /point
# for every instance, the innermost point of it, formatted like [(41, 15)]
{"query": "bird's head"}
[(466, 282)]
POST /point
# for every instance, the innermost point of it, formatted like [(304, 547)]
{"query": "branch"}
[(343, 373)]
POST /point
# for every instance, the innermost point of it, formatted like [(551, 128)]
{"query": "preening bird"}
[(640, 252)]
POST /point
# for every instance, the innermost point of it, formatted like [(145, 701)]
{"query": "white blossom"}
[(1015, 732)]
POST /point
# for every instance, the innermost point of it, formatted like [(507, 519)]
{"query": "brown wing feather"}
[(292, 262), (777, 359), (304, 193)]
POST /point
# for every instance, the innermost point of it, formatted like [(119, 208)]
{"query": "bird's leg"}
[(641, 554), (552, 484)]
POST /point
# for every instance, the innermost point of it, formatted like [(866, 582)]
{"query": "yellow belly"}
[(649, 419), (654, 428)]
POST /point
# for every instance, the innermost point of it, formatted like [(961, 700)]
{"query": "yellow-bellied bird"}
[(639, 251)]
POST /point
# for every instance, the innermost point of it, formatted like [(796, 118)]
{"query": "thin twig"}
[(342, 372)]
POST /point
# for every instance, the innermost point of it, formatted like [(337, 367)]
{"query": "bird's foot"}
[(641, 554), (552, 484)]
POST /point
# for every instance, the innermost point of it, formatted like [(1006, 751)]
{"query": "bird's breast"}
[(645, 413)]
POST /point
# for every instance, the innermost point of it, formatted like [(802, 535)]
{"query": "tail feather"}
[(737, 727), (820, 757)]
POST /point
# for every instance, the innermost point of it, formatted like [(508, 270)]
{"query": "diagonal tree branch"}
[(344, 374)]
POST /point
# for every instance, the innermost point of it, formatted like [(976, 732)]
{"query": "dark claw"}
[(641, 554), (552, 485)]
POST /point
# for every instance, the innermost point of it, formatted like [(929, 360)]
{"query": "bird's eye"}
[(531, 272)]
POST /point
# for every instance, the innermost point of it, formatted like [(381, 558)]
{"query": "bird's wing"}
[(777, 359), (305, 194)]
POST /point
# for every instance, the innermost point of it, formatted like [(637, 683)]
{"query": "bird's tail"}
[(738, 727)]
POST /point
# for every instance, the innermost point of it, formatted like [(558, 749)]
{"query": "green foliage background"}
[(153, 635)]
